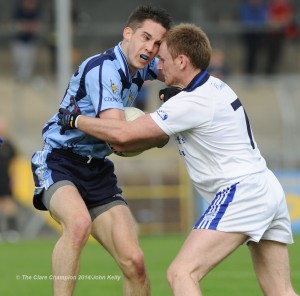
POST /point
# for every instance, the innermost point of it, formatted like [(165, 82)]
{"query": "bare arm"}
[(140, 134)]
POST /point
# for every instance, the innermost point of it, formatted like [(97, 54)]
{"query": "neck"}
[(187, 78)]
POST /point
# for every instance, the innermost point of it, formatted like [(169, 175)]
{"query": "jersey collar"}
[(122, 59), (197, 81)]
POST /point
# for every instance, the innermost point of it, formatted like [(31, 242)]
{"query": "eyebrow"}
[(151, 37), (146, 33)]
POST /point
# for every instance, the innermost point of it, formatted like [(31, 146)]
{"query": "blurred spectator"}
[(254, 19), (27, 24), (8, 206), (280, 19), (217, 66)]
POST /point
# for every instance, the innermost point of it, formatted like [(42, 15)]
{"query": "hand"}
[(67, 116), (167, 93)]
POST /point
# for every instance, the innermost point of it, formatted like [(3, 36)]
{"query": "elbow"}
[(163, 141), (121, 139)]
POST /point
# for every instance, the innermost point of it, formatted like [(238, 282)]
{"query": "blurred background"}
[(256, 50)]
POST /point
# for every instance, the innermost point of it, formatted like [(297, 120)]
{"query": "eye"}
[(146, 37)]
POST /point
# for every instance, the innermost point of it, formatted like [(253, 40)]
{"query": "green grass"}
[(22, 263)]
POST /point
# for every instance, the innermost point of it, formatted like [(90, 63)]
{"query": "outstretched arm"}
[(137, 135)]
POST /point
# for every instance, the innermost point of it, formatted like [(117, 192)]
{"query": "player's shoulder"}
[(217, 88), (99, 59)]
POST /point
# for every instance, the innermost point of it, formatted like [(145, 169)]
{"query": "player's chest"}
[(129, 95)]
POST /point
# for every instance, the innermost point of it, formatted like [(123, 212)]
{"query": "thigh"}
[(271, 264), (116, 230), (66, 205), (204, 249), (270, 257)]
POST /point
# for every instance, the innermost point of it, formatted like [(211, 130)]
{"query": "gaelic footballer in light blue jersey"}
[(74, 179)]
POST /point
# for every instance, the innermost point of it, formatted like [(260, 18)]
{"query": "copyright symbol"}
[(18, 277)]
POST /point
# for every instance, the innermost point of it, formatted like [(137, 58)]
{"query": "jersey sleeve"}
[(183, 112)]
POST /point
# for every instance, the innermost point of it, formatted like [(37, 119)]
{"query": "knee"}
[(178, 273), (173, 274), (134, 266), (79, 230)]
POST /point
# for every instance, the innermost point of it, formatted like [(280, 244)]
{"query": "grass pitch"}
[(25, 269)]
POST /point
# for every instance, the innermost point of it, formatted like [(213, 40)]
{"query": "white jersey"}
[(213, 133)]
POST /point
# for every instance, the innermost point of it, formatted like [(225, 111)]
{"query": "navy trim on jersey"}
[(48, 126), (138, 80), (198, 80), (125, 82), (152, 73), (94, 62), (236, 104), (127, 74)]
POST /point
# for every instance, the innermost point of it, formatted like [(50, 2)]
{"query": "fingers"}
[(62, 130), (167, 93), (60, 115)]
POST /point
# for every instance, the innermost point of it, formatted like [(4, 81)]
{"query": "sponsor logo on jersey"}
[(113, 99), (130, 98), (113, 87), (218, 85), (162, 114)]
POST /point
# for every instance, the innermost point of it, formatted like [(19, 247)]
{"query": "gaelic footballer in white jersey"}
[(215, 140)]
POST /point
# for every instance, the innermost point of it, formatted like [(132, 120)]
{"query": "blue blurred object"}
[(1, 140)]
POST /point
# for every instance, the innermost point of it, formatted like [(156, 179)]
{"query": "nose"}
[(152, 47)]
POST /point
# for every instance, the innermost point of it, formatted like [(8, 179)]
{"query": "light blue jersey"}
[(101, 82)]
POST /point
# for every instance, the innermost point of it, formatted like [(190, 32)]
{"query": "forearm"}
[(140, 134), (108, 130)]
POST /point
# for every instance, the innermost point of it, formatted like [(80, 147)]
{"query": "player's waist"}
[(70, 155)]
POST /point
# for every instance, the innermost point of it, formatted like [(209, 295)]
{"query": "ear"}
[(182, 60), (127, 33)]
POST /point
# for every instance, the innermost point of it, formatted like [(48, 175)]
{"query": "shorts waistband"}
[(69, 154)]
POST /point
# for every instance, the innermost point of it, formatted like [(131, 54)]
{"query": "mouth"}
[(144, 57)]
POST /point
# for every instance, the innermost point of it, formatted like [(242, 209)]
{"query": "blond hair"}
[(191, 41)]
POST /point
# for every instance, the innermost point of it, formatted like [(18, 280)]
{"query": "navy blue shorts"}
[(94, 179)]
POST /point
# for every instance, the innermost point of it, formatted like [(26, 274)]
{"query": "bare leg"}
[(68, 208), (8, 207), (201, 252), (272, 267), (115, 229)]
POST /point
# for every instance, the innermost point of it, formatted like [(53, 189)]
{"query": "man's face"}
[(142, 45), (167, 66)]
